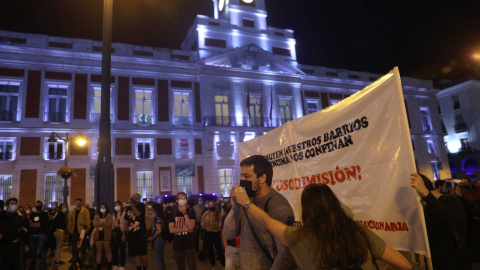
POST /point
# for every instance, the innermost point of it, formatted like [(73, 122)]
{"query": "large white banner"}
[(360, 147)]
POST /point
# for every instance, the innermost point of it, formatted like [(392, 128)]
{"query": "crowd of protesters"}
[(251, 230)]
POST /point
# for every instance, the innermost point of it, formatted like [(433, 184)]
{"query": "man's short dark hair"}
[(427, 182), (11, 199), (40, 202), (439, 183), (468, 179), (179, 193), (260, 166), (79, 199)]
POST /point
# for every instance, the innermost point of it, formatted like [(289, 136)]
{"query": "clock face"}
[(248, 1), (221, 5)]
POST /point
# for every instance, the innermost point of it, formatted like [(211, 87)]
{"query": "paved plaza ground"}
[(169, 260)]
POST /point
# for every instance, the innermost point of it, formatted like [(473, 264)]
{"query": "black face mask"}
[(39, 208), (212, 209), (248, 188)]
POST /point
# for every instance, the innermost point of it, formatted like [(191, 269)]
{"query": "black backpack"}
[(471, 249)]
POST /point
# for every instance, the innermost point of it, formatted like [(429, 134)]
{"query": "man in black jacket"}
[(444, 216), (8, 232), (38, 234)]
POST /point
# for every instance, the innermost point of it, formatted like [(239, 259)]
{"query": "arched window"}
[(469, 165)]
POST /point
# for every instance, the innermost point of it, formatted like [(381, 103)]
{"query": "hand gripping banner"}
[(361, 147)]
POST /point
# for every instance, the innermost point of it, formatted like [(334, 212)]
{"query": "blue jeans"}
[(159, 245), (35, 240)]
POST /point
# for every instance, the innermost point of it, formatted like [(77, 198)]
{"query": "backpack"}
[(471, 250)]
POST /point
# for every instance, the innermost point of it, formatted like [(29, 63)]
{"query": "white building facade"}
[(177, 115), (460, 114)]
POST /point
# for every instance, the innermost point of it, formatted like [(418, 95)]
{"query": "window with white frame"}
[(53, 188), (57, 104), (184, 183), (426, 122), (7, 148), (9, 101), (145, 184), (144, 148), (97, 103), (284, 109), (181, 107), (436, 174), (5, 186), (255, 111), (312, 106), (431, 147), (225, 181), (221, 110), (143, 107), (54, 150)]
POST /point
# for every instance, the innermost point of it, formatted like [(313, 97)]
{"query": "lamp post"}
[(81, 141), (104, 169)]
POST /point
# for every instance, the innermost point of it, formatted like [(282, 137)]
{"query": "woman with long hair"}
[(118, 245), (329, 238), (210, 222), (157, 236), (103, 235)]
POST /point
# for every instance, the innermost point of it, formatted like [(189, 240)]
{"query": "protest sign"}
[(361, 147)]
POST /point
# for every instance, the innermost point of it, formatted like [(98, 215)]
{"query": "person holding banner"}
[(329, 237), (444, 218), (258, 248)]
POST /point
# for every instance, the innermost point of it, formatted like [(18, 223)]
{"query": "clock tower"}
[(249, 13)]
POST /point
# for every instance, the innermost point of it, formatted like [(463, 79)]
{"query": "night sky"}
[(420, 36)]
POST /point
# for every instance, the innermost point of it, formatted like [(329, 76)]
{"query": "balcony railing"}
[(144, 119), (95, 118), (56, 117), (8, 116), (182, 122), (6, 156), (54, 155), (143, 155), (231, 121), (460, 127)]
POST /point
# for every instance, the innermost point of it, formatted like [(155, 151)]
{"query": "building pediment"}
[(251, 57)]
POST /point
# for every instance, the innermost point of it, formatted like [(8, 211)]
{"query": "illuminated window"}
[(5, 186), (53, 188), (182, 115), (436, 174), (54, 151), (7, 148), (145, 184), (426, 122), (144, 148), (221, 110), (9, 102), (431, 147), (184, 183), (225, 181), (143, 107), (57, 105), (284, 108), (97, 103), (312, 106)]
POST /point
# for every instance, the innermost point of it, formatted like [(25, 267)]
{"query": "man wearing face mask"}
[(17, 243), (78, 220), (266, 253), (139, 250), (38, 234), (181, 224)]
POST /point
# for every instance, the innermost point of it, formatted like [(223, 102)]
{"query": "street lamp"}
[(81, 141)]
